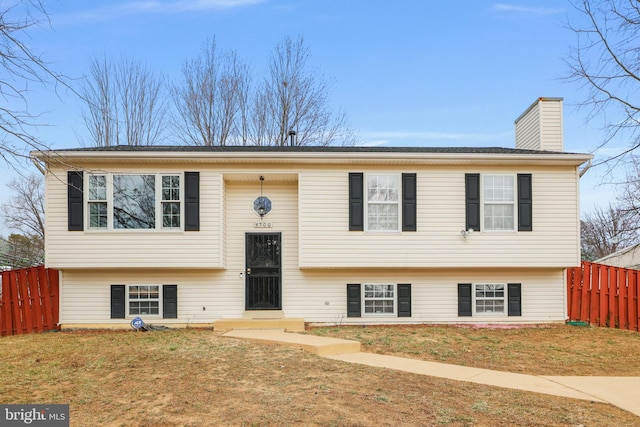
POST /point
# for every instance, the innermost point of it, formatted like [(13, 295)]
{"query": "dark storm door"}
[(263, 270)]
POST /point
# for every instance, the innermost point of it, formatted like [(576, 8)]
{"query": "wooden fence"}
[(604, 296), (29, 301)]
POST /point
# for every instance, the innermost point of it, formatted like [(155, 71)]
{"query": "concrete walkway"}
[(623, 392)]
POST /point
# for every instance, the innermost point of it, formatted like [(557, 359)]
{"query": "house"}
[(624, 258), (201, 236)]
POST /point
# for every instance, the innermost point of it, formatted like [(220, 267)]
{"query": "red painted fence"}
[(604, 296), (29, 301)]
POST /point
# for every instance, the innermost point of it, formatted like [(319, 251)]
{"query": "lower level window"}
[(379, 299), (144, 299), (489, 298)]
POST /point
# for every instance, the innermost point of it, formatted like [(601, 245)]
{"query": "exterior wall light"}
[(466, 233)]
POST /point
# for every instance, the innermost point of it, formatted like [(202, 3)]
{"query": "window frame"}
[(158, 202), (513, 203), (475, 299), (128, 301), (97, 201), (394, 299), (397, 203)]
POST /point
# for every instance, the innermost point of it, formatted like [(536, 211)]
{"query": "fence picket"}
[(586, 292), (594, 311), (622, 298)]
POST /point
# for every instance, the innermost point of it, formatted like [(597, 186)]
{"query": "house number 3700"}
[(262, 225)]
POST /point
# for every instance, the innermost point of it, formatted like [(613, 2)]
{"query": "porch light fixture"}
[(466, 233), (262, 205)]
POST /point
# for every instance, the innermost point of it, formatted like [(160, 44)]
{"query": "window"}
[(144, 300), (498, 202), (383, 202), (134, 202), (171, 201), (97, 201), (379, 299), (489, 298)]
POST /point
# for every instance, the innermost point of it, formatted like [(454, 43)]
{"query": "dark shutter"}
[(118, 310), (75, 202), (472, 201), (192, 201), (465, 299), (408, 202), (404, 300), (354, 307), (525, 205), (356, 202), (514, 294), (170, 301)]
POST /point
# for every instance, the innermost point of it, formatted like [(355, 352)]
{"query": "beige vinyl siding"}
[(540, 127), (222, 292), (434, 295), (135, 248), (318, 296), (325, 240), (528, 129), (551, 133)]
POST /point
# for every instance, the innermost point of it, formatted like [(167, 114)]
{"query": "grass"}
[(535, 350), (198, 378)]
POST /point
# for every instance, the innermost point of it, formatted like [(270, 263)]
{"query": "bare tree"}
[(101, 98), (18, 251), (606, 60), (125, 104), (604, 232), (20, 67), (211, 100), (24, 212), (293, 98)]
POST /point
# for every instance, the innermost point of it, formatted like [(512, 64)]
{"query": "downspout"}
[(585, 169), (38, 165)]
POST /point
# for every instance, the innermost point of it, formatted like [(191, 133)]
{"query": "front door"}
[(263, 269)]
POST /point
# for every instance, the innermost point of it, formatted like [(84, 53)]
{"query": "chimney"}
[(540, 126)]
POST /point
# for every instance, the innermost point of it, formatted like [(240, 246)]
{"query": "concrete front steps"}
[(260, 319)]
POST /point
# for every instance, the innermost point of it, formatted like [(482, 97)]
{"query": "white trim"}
[(159, 300), (364, 300), (397, 203), (109, 178), (513, 203), (505, 299)]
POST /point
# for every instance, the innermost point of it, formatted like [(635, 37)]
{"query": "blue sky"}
[(407, 73)]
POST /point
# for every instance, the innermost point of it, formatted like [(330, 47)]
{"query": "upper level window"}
[(498, 202), (171, 201), (134, 202), (97, 201), (383, 202)]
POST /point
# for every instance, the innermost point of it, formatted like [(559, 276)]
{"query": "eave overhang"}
[(76, 158)]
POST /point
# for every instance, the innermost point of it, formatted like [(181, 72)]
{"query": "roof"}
[(311, 154), (628, 257), (303, 149)]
